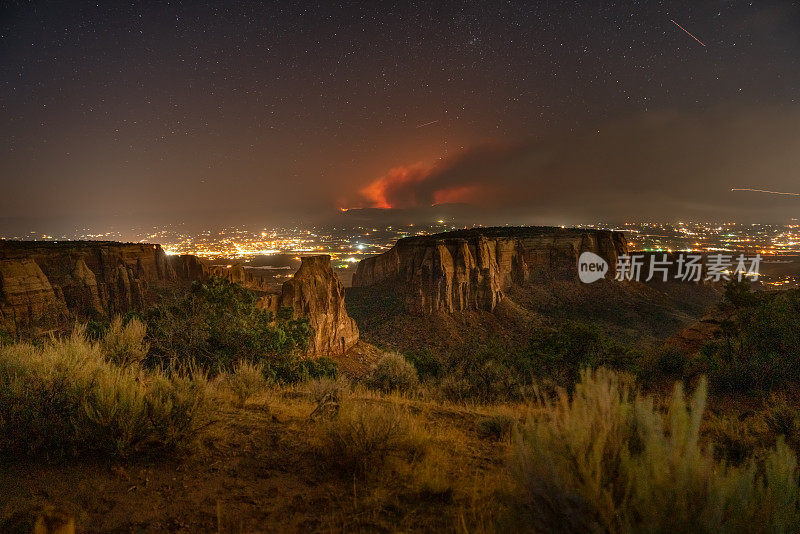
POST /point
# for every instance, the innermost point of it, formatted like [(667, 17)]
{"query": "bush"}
[(496, 370), (559, 354), (5, 338), (496, 427), (393, 373), (426, 363), (329, 389), (759, 348), (486, 372), (292, 370), (735, 439), (783, 419), (606, 460), (65, 398), (124, 344), (245, 381), (361, 438), (218, 324), (662, 362)]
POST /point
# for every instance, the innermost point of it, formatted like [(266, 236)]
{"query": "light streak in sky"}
[(427, 124), (687, 32), (765, 191)]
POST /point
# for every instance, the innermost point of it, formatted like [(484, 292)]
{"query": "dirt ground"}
[(256, 470)]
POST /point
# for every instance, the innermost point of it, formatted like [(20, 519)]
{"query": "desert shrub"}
[(783, 419), (657, 363), (495, 427), (456, 388), (245, 381), (739, 294), (485, 372), (329, 389), (606, 460), (735, 440), (670, 362), (560, 353), (219, 323), (5, 338), (362, 437), (392, 372), (759, 347), (123, 343), (430, 481), (426, 362), (291, 370), (65, 398), (495, 370)]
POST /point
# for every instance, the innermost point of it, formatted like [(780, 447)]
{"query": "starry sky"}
[(289, 112)]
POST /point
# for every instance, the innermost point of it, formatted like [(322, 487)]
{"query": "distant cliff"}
[(47, 285), (43, 285), (472, 269), (191, 268)]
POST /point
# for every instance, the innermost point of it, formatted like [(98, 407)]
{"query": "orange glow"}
[(379, 191), (462, 193)]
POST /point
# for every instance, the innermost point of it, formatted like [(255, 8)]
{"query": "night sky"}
[(279, 112)]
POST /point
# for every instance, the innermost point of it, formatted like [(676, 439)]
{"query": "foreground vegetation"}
[(73, 396), (608, 460), (569, 434)]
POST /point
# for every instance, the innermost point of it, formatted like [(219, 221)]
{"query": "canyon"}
[(46, 286), (473, 269)]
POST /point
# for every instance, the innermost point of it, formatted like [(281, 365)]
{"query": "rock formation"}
[(472, 269), (45, 284), (315, 292), (190, 268)]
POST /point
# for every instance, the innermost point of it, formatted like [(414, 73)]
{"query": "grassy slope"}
[(257, 471)]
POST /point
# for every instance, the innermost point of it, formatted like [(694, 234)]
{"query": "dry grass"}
[(607, 460), (326, 389), (363, 437), (124, 344), (393, 372), (65, 398), (245, 381)]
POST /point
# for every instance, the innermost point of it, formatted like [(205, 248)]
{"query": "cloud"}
[(661, 165), (397, 188)]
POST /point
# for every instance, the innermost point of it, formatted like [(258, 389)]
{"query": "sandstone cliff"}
[(44, 285), (472, 269), (190, 268), (316, 292)]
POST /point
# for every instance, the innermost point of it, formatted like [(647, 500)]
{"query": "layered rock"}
[(472, 269), (239, 274), (316, 292), (190, 268), (45, 284)]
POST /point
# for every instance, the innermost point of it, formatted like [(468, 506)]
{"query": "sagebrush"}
[(607, 460), (66, 398)]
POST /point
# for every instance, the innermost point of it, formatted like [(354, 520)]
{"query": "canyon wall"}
[(190, 268), (472, 269), (45, 285)]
